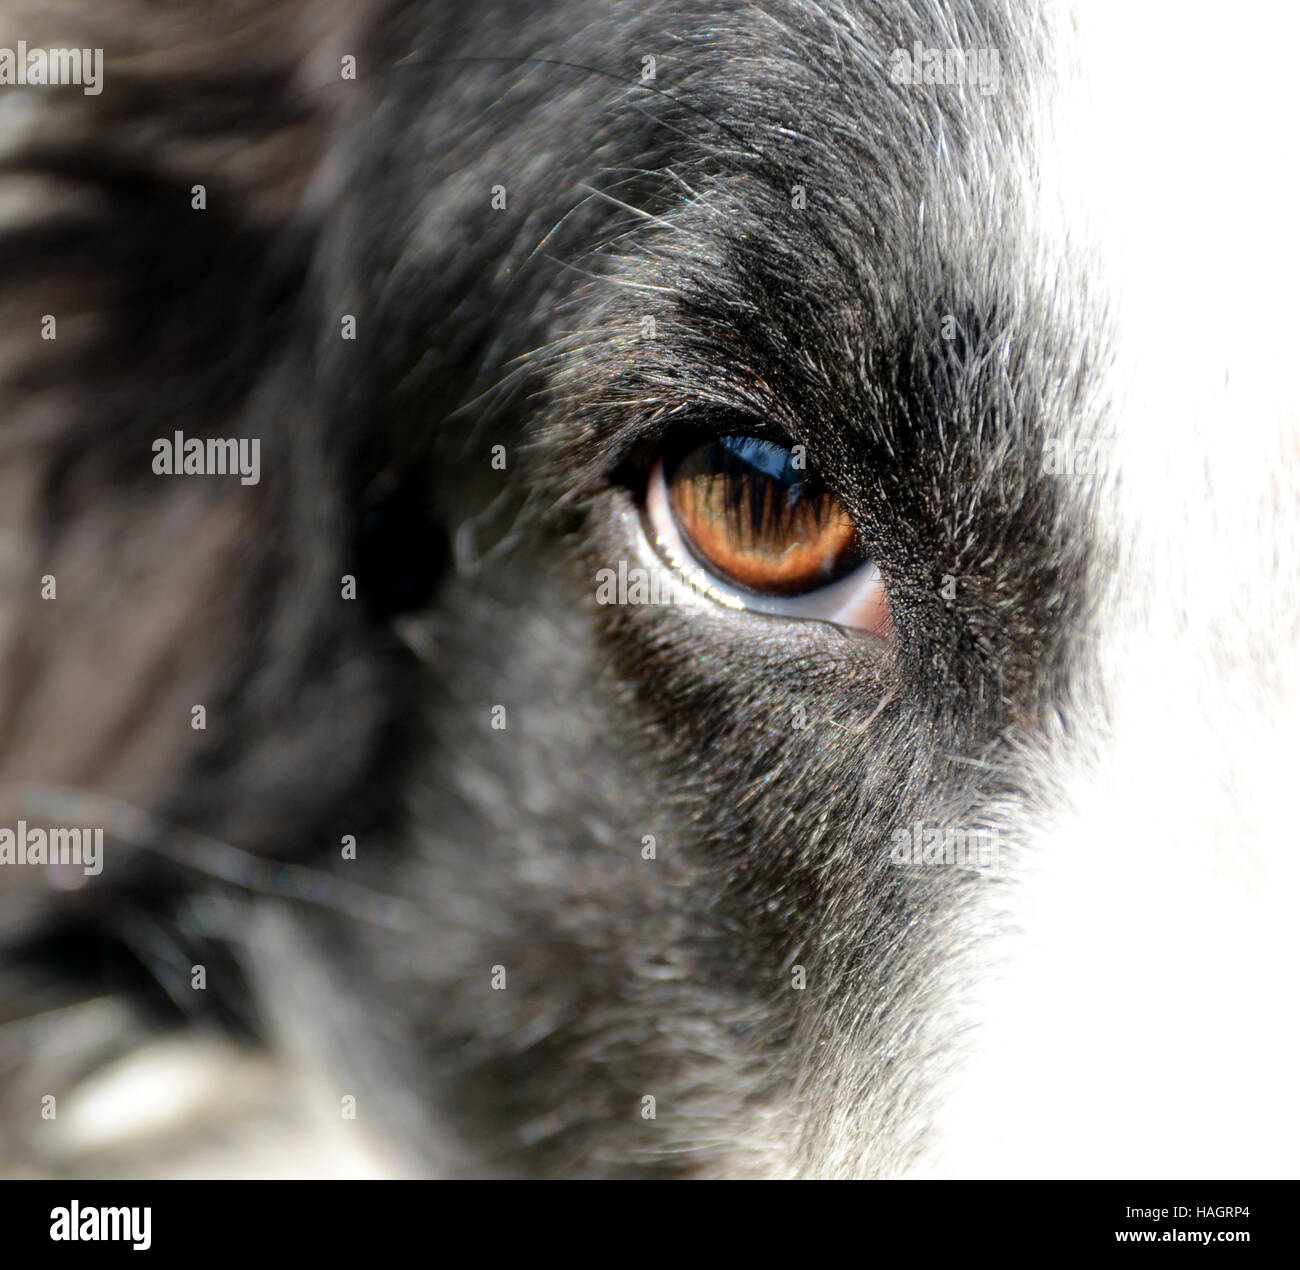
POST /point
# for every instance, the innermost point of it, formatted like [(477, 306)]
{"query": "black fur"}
[(523, 328)]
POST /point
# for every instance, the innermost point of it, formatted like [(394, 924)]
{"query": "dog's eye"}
[(751, 516), (765, 532)]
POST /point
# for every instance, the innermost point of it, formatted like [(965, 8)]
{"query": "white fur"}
[(1142, 1019)]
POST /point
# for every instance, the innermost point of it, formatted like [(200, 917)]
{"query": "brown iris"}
[(752, 515)]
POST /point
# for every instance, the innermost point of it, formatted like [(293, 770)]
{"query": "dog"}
[(680, 590)]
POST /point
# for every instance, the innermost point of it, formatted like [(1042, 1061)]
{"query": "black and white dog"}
[(673, 589)]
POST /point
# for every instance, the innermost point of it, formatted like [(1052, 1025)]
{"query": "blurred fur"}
[(625, 200)]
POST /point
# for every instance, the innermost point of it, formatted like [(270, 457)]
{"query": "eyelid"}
[(858, 601)]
